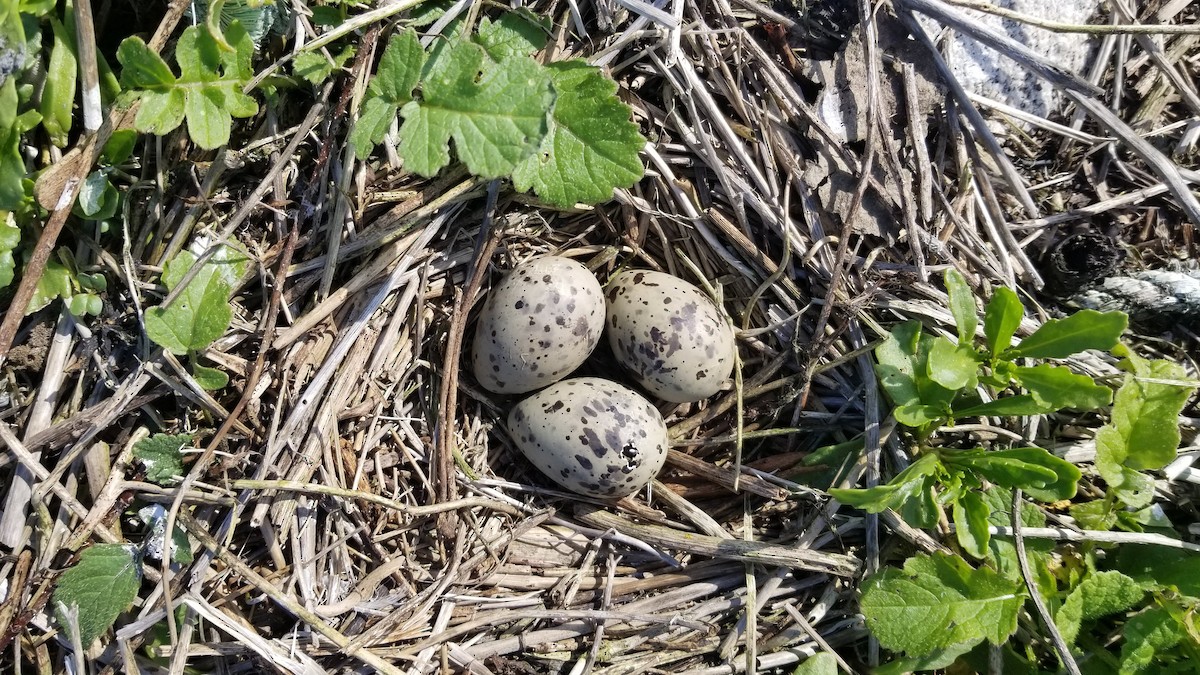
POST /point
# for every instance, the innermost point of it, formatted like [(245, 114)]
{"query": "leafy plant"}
[(201, 313), (559, 129), (929, 610), (934, 382), (161, 456), (207, 93), (97, 589), (78, 290)]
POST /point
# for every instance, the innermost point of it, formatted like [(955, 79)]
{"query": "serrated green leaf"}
[(939, 601), (821, 663), (1081, 331), (962, 306), (162, 456), (101, 586), (516, 33), (58, 93), (1094, 515), (201, 313), (314, 68), (1100, 594), (1009, 406), (10, 236), (1002, 553), (496, 113), (940, 658), (12, 164), (208, 91), (592, 146), (953, 366), (896, 367), (209, 379), (1001, 318), (393, 84), (1146, 634), (971, 523), (1057, 387)]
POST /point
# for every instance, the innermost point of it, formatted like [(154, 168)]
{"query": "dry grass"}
[(355, 501)]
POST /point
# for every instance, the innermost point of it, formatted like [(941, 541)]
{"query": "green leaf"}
[(119, 146), (101, 586), (1004, 470), (1002, 553), (55, 282), (316, 69), (1009, 406), (1145, 418), (821, 663), (1001, 318), (897, 359), (12, 164), (495, 112), (161, 455), (1100, 594), (917, 416), (98, 198), (201, 313), (391, 87), (962, 306), (210, 379), (1057, 387), (515, 33), (1158, 567), (1066, 475), (591, 147), (208, 91), (1094, 515), (920, 507), (953, 367), (939, 601), (900, 489), (1083, 330), (58, 93), (10, 236), (971, 523), (1146, 634)]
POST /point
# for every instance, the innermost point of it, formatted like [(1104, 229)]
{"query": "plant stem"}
[(1060, 645)]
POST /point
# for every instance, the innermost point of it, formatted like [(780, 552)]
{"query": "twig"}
[(1060, 645)]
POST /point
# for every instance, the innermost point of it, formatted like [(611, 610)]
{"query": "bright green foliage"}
[(821, 663), (559, 129), (1158, 567), (314, 68), (101, 586), (161, 455), (58, 94), (1001, 320), (211, 379), (591, 145), (392, 87), (939, 601), (12, 166), (1147, 634), (208, 91), (1098, 595), (60, 280), (494, 112), (10, 236), (98, 197), (201, 313), (1083, 330)]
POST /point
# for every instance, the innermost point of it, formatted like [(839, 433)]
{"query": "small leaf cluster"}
[(558, 129), (207, 93), (201, 312)]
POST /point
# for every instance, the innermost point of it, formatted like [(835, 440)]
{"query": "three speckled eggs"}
[(591, 435)]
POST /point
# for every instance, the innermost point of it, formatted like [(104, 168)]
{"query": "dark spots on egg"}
[(584, 462)]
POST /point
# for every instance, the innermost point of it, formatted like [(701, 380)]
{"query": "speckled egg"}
[(669, 334), (537, 325), (591, 436)]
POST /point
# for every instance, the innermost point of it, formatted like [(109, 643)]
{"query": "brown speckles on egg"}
[(669, 335), (611, 447), (548, 311)]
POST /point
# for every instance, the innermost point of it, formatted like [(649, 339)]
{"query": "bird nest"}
[(354, 499)]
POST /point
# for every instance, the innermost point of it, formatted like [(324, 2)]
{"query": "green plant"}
[(940, 608), (557, 129)]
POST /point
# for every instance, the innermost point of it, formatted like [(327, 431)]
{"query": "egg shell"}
[(669, 335), (591, 436), (539, 323)]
